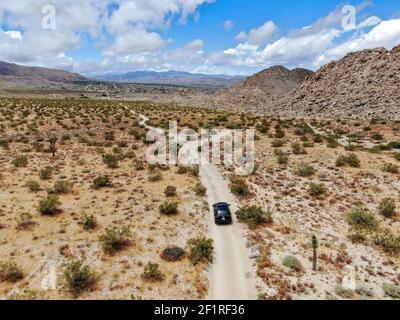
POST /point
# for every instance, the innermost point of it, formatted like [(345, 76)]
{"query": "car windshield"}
[(223, 213)]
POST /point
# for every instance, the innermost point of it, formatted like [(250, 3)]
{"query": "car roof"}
[(221, 204)]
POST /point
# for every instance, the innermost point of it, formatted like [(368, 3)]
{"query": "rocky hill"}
[(364, 84), (13, 75), (263, 89)]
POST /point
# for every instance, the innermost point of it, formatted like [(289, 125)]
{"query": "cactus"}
[(53, 140), (315, 245)]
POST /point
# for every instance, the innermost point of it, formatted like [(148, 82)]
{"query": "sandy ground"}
[(231, 272)]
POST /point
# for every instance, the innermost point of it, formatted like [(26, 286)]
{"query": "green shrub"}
[(297, 149), (170, 191), (46, 173), (169, 208), (155, 175), (173, 254), (200, 190), (390, 168), (293, 263), (344, 292), (61, 187), (200, 250), (88, 222), (317, 189), (279, 134), (239, 187), (358, 235), (389, 242), (111, 160), (115, 239), (33, 185), (391, 290), (351, 160), (101, 182), (152, 273), (282, 157), (305, 170), (254, 216), (10, 272), (49, 206), (387, 207), (20, 161), (277, 144), (24, 221), (77, 278), (362, 219)]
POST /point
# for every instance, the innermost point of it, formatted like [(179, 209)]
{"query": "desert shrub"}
[(351, 160), (101, 182), (391, 290), (152, 273), (169, 208), (170, 191), (390, 168), (88, 222), (254, 216), (277, 144), (10, 272), (111, 160), (387, 207), (344, 292), (45, 173), (200, 190), (396, 155), (173, 254), (33, 185), (317, 189), (331, 142), (389, 242), (77, 278), (377, 136), (358, 235), (283, 158), (304, 170), (200, 250), (61, 187), (362, 219), (49, 206), (279, 134), (394, 145), (155, 175), (115, 239), (239, 186), (20, 161), (4, 144), (182, 170), (297, 149), (24, 221), (293, 263)]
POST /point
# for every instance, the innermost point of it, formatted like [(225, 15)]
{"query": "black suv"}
[(222, 213)]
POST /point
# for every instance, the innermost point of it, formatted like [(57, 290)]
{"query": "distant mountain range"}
[(177, 78), (13, 75)]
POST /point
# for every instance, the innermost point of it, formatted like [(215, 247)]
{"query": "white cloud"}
[(259, 35), (228, 24), (369, 22)]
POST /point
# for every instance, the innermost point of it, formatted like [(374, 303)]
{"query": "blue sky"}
[(207, 36)]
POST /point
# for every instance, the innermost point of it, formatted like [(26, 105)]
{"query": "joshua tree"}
[(315, 245), (53, 140)]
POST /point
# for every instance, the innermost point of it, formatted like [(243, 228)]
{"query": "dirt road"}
[(231, 276)]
